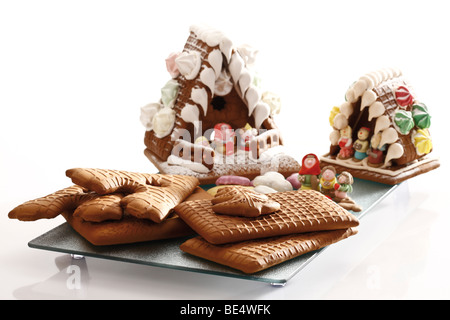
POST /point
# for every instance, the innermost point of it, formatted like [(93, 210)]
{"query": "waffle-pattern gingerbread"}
[(116, 207), (152, 196)]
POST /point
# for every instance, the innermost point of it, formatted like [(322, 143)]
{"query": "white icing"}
[(252, 97), (248, 54), (350, 95), (244, 81), (194, 166), (261, 112), (208, 77), (368, 98), (215, 59), (147, 114), (191, 114), (395, 151), (359, 88), (369, 82), (346, 109), (273, 101), (163, 122), (388, 136), (334, 137), (376, 109), (212, 38), (236, 66), (340, 121), (381, 124), (200, 96), (188, 64)]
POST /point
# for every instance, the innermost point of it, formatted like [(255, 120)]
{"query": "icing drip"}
[(215, 59), (208, 77), (199, 96), (261, 112), (191, 114)]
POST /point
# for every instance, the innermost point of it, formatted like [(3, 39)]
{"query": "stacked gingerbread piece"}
[(109, 207), (252, 232), (238, 227)]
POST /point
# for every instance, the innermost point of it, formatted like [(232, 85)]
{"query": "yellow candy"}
[(333, 114), (422, 141)]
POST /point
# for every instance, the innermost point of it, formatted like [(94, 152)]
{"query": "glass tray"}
[(166, 253)]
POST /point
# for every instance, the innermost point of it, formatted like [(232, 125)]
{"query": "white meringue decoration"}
[(350, 95), (244, 81), (388, 136), (381, 124), (191, 114), (163, 122), (188, 64), (340, 121), (346, 109), (261, 112), (395, 151), (248, 54), (252, 97), (273, 101), (236, 66), (208, 77), (215, 59), (369, 82), (200, 96), (147, 114), (359, 87), (334, 137), (368, 98), (226, 47), (376, 109)]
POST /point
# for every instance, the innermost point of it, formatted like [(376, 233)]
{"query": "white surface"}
[(73, 76)]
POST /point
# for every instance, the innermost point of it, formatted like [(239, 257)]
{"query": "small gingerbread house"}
[(211, 109), (382, 131)]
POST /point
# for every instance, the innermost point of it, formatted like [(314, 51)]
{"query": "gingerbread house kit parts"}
[(213, 118), (382, 131)]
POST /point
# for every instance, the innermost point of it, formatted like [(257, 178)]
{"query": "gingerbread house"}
[(382, 131), (213, 118)]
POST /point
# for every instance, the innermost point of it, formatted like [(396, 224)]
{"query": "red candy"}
[(403, 96)]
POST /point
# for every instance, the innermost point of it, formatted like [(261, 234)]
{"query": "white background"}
[(74, 74)]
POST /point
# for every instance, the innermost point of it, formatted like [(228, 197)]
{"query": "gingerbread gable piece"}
[(210, 111), (382, 131)]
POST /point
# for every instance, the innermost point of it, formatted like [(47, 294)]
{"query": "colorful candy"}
[(234, 180), (421, 117), (403, 96), (404, 121), (422, 141)]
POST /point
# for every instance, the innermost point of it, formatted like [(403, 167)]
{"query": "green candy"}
[(421, 117), (404, 121)]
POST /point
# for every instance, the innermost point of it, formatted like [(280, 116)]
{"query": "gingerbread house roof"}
[(210, 65), (384, 102)]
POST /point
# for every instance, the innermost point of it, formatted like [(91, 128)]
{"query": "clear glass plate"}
[(166, 253)]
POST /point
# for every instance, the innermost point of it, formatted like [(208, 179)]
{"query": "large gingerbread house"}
[(382, 131), (213, 118)]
